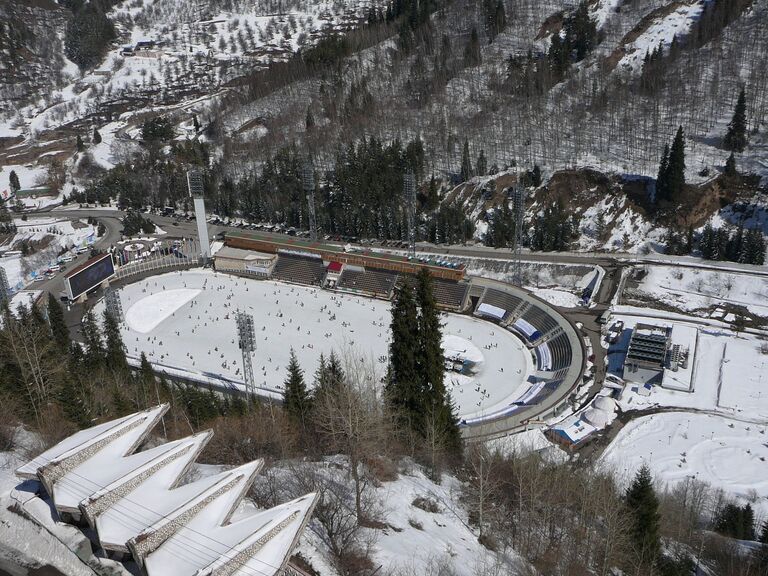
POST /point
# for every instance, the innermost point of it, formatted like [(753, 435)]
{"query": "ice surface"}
[(148, 312), (196, 333)]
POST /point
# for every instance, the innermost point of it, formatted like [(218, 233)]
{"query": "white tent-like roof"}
[(605, 403), (136, 504), (596, 417)]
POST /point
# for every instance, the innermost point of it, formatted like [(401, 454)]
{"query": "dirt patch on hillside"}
[(553, 24), (577, 188)]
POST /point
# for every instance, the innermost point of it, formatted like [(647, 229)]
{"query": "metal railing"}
[(184, 255)]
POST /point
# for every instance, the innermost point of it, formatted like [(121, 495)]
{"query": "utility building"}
[(647, 354)]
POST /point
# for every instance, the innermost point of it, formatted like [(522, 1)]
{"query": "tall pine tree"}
[(662, 191), (675, 177), (402, 387), (643, 504), (114, 348), (56, 321), (297, 400), (466, 163), (736, 137)]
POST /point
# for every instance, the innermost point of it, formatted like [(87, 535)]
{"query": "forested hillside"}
[(472, 95)]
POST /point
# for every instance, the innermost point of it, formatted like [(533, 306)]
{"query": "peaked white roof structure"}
[(136, 504)]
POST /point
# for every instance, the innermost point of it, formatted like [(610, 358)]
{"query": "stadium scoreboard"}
[(89, 275)]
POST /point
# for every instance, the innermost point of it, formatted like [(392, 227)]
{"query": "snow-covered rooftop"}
[(135, 503)]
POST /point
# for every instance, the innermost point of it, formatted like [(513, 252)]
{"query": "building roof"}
[(294, 243), (335, 266), (85, 265), (648, 345), (136, 503), (240, 254)]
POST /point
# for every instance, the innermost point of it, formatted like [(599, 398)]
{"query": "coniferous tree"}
[(643, 505), (482, 164), (80, 145), (495, 18), (736, 521), (466, 163), (736, 138), (755, 247), (662, 189), (309, 120), (145, 381), (706, 244), (114, 348), (94, 346), (675, 177), (430, 352), (75, 399), (335, 370), (13, 181), (581, 31), (297, 400), (329, 375), (402, 386), (501, 227), (59, 328), (760, 555), (730, 167), (472, 51), (432, 199), (88, 34), (96, 137), (535, 176), (120, 403), (557, 57)]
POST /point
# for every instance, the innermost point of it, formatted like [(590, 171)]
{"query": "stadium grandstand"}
[(332, 253), (555, 346), (553, 341)]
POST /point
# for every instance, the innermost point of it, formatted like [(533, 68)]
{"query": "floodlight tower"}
[(195, 186), (518, 205), (308, 183), (5, 288), (113, 305), (246, 339), (409, 193)]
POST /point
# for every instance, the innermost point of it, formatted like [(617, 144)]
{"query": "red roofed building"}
[(333, 273)]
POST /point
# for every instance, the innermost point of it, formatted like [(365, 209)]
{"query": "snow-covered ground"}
[(29, 176), (729, 373), (61, 233), (725, 453), (557, 297), (186, 321), (691, 289), (661, 32)]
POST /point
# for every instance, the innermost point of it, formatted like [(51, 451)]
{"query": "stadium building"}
[(138, 506)]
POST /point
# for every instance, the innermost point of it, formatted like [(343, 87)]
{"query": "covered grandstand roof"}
[(135, 501)]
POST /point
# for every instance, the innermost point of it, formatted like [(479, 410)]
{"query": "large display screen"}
[(90, 277)]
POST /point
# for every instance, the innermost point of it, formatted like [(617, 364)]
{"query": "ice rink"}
[(185, 321)]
